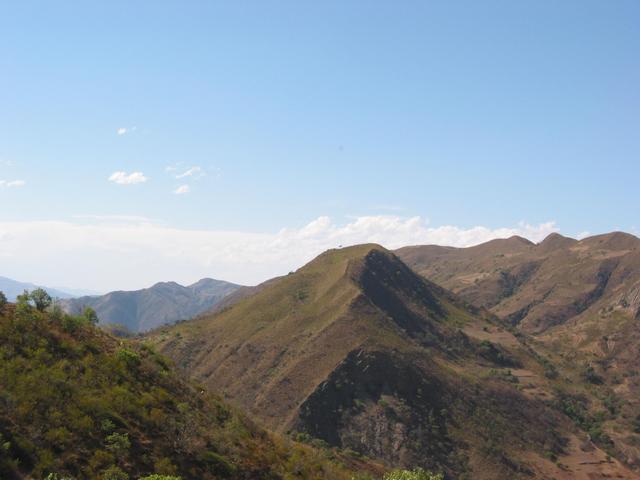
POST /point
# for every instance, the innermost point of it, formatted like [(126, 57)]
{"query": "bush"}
[(155, 476), (129, 357), (118, 443), (114, 473), (3, 300), (417, 474), (590, 375), (218, 464)]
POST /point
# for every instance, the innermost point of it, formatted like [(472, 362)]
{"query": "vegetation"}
[(76, 403), (417, 474)]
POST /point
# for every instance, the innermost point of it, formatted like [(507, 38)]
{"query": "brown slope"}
[(535, 286), (581, 299), (358, 350)]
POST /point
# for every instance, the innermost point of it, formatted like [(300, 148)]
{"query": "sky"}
[(172, 140)]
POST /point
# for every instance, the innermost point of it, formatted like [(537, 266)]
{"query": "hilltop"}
[(359, 351)]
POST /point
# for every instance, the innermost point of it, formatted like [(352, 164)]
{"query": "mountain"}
[(357, 350), (581, 301), (163, 303), (12, 288), (78, 403), (539, 286)]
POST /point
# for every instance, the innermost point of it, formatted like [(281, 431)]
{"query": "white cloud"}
[(125, 130), (116, 218), (128, 254), (182, 190), (124, 178), (195, 172), (12, 183)]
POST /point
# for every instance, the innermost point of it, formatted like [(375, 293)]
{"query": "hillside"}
[(161, 304), (359, 351), (79, 403), (538, 286), (581, 300)]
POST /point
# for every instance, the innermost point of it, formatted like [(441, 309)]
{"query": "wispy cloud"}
[(12, 183), (113, 255), (195, 172), (116, 218), (125, 130), (182, 190), (124, 178)]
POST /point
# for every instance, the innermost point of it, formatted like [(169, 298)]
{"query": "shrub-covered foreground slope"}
[(359, 351), (76, 402)]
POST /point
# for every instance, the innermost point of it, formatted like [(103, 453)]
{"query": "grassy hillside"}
[(357, 350), (76, 402)]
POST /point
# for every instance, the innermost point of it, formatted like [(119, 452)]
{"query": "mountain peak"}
[(614, 241), (555, 241)]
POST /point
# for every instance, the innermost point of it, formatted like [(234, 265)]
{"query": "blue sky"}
[(464, 114)]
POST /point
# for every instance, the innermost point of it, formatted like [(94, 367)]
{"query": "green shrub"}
[(155, 476), (219, 464), (3, 300), (417, 474), (114, 473), (118, 443), (129, 357)]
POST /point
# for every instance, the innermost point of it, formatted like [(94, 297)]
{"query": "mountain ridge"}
[(12, 288), (358, 350), (148, 308)]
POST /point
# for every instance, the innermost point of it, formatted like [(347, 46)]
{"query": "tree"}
[(91, 315), (23, 298), (41, 299), (3, 300)]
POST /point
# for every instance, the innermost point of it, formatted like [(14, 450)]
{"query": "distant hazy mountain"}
[(163, 303), (13, 288)]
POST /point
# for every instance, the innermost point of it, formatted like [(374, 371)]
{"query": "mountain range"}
[(506, 360), (579, 300), (163, 303), (358, 350), (13, 288)]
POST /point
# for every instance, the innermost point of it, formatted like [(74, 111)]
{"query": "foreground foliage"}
[(78, 403), (417, 474)]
